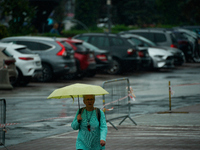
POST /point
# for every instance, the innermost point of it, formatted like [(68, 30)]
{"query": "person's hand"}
[(103, 143), (79, 118)]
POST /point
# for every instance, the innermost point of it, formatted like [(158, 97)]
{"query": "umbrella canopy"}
[(77, 90)]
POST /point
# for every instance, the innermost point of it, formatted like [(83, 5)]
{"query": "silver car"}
[(57, 57)]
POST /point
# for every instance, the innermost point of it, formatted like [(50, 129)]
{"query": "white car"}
[(161, 58), (28, 64)]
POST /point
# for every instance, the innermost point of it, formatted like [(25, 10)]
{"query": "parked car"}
[(185, 44), (157, 35), (85, 59), (57, 56), (195, 29), (160, 57), (126, 56), (162, 38), (28, 63), (103, 58), (194, 39), (7, 61)]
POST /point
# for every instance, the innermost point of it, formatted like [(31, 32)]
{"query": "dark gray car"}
[(126, 56), (57, 56)]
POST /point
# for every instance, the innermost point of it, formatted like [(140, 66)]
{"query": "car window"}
[(34, 45), (84, 38), (24, 51), (147, 35), (9, 41), (81, 47), (179, 35), (131, 42), (173, 37), (159, 37), (90, 46), (116, 41), (137, 41), (99, 41), (66, 45), (147, 42)]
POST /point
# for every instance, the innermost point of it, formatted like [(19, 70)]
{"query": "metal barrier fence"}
[(117, 103), (3, 121)]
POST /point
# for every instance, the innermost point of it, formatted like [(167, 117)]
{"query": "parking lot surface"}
[(176, 130)]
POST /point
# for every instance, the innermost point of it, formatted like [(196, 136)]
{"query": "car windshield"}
[(90, 46), (179, 35), (81, 47), (24, 51), (7, 53), (131, 42), (148, 41)]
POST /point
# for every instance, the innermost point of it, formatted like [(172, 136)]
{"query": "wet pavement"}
[(42, 123), (175, 130)]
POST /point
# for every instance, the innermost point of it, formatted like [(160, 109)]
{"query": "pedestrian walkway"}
[(176, 130)]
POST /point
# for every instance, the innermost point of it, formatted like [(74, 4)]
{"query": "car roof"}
[(32, 38), (109, 34), (152, 29), (128, 35), (15, 46), (70, 40)]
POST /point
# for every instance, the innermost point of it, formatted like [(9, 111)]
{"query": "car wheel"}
[(47, 74), (196, 57), (115, 68), (25, 80), (91, 73), (15, 81), (69, 76), (79, 75)]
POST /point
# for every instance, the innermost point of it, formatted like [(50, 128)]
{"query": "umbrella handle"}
[(78, 102)]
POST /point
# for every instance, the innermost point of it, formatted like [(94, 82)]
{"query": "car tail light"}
[(8, 62), (62, 52), (131, 51), (140, 54), (102, 57), (26, 58), (173, 46)]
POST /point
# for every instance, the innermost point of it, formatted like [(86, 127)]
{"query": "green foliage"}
[(22, 15), (119, 28), (3, 31), (87, 12)]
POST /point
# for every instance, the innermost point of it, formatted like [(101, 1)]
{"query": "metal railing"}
[(117, 103), (3, 121)]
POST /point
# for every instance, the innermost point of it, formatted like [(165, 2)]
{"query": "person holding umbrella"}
[(90, 121), (92, 132)]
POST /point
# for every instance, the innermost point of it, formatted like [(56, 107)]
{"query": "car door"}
[(102, 42), (119, 47)]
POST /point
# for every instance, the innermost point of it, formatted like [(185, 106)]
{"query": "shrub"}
[(3, 31)]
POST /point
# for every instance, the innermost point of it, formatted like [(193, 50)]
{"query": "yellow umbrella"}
[(77, 90)]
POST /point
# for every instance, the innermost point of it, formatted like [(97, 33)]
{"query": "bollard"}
[(170, 92), (4, 80)]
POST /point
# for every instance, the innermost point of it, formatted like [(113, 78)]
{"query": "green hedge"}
[(73, 32), (3, 31)]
